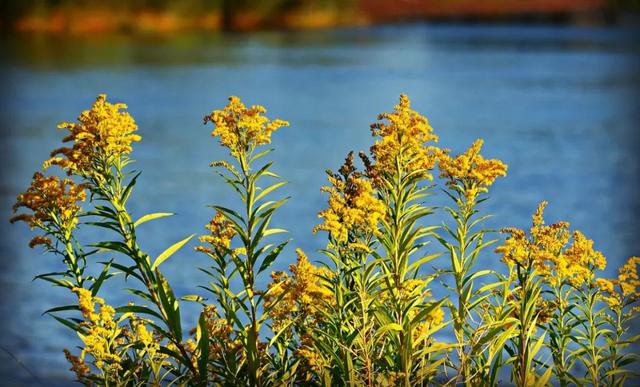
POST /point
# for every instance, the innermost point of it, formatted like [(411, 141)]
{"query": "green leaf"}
[(127, 190), (113, 246), (269, 189), (170, 251), (128, 270), (67, 323), (138, 309), (544, 379), (61, 309), (268, 260), (170, 306), (148, 217), (101, 278), (273, 231), (192, 298), (202, 335), (427, 258)]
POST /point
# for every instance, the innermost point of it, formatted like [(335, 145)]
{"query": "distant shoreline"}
[(103, 20)]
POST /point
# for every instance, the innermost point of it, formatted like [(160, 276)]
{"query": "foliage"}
[(366, 315)]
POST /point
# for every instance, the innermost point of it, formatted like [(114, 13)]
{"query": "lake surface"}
[(558, 104)]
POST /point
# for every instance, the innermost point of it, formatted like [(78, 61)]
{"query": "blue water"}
[(558, 104)]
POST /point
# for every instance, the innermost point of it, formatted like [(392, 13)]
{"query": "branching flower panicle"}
[(470, 172), (546, 251), (301, 296), (353, 205), (219, 239), (54, 205), (100, 332), (625, 287), (220, 331), (102, 134), (242, 128), (628, 277), (579, 261), (403, 138)]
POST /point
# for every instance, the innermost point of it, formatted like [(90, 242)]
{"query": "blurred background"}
[(551, 85)]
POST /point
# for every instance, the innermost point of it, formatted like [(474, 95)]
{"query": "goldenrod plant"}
[(347, 332), (101, 141), (362, 312), (403, 157), (242, 130), (621, 296), (468, 177)]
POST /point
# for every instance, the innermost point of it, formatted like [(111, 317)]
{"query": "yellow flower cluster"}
[(628, 284), (544, 309), (353, 206), (242, 128), (472, 172), (221, 342), (403, 143), (143, 336), (579, 260), (421, 331), (221, 232), (313, 360), (100, 331), (608, 292), (53, 201), (299, 296), (546, 251), (102, 133), (628, 277)]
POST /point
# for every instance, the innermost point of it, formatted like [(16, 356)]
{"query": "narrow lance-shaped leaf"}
[(170, 251), (149, 217)]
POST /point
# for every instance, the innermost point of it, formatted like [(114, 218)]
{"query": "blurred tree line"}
[(229, 14), (12, 10)]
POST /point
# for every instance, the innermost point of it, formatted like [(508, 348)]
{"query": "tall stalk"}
[(469, 175), (242, 130)]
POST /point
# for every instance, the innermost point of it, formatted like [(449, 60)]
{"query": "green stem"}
[(462, 299), (593, 335), (563, 338), (252, 355), (73, 261), (141, 260), (400, 194)]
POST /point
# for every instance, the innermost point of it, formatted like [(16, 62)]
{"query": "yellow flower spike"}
[(241, 128), (53, 202), (85, 302), (221, 343), (605, 285), (103, 133), (515, 249), (546, 250), (628, 277), (471, 170), (221, 233), (581, 259), (99, 330), (623, 291), (353, 205), (403, 137), (301, 295)]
